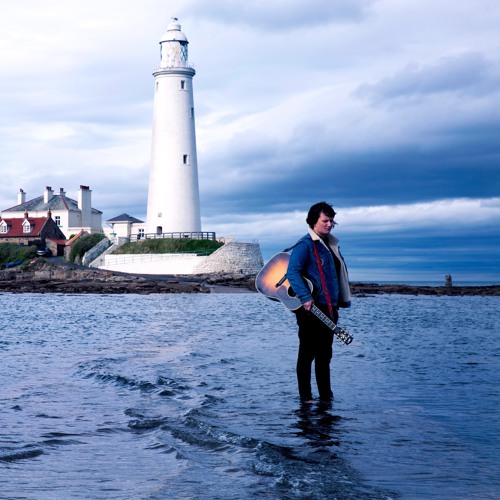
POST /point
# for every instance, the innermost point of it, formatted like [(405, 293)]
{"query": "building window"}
[(159, 230), (159, 214), (26, 227), (184, 51), (3, 227), (57, 220), (192, 112), (185, 159), (183, 85), (141, 233)]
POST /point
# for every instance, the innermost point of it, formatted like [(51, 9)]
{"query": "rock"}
[(64, 278), (365, 289)]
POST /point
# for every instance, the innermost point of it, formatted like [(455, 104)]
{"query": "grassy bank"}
[(10, 252), (84, 244), (170, 245)]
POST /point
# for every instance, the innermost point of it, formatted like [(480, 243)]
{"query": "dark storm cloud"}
[(275, 176)]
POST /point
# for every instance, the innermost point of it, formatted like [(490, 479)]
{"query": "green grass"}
[(83, 244), (11, 252), (170, 245)]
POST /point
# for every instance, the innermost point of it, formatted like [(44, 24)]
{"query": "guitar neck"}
[(323, 317), (341, 334)]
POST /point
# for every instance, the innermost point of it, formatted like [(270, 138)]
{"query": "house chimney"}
[(62, 192), (21, 197), (47, 195), (84, 205)]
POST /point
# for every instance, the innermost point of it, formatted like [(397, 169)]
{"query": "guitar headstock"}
[(343, 335)]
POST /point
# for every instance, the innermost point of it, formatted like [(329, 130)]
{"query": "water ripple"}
[(191, 396)]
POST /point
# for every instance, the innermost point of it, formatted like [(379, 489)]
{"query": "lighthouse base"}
[(232, 258)]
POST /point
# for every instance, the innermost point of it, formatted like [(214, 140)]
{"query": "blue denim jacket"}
[(303, 263)]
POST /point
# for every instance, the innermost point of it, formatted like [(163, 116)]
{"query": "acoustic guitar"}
[(273, 284)]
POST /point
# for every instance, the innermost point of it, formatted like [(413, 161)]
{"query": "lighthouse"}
[(173, 195)]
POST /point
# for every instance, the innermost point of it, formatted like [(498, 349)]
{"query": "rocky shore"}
[(367, 289), (48, 277)]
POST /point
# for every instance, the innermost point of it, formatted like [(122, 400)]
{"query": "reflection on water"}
[(317, 424), (194, 396)]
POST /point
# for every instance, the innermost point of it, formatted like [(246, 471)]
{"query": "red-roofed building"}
[(70, 215), (40, 231)]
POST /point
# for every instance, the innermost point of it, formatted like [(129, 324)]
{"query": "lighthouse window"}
[(185, 159), (157, 86), (183, 84), (192, 112)]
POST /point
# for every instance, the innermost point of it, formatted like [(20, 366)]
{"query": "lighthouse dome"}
[(174, 32)]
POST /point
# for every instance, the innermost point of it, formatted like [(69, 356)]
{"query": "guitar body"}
[(273, 284)]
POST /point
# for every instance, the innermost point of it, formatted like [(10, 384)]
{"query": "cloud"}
[(386, 109), (435, 217), (467, 73), (284, 15), (421, 241)]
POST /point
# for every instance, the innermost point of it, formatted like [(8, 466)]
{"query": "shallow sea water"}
[(194, 396)]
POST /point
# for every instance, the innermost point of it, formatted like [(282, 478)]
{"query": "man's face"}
[(324, 225)]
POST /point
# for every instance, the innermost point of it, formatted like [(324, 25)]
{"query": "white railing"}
[(198, 235), (140, 258), (156, 69)]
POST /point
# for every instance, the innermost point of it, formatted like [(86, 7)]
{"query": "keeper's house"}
[(70, 216), (40, 231)]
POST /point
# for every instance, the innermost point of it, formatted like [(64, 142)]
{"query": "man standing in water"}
[(316, 256)]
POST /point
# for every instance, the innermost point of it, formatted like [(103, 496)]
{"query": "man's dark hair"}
[(316, 210)]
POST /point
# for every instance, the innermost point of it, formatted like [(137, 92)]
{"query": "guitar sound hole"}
[(291, 293)]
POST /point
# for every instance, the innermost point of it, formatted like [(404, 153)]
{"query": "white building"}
[(173, 196), (123, 227), (72, 216)]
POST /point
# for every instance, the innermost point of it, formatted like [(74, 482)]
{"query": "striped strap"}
[(323, 281)]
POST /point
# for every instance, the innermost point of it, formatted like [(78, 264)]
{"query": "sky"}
[(387, 109)]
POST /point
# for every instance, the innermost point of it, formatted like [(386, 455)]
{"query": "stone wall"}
[(232, 258), (95, 251), (100, 259)]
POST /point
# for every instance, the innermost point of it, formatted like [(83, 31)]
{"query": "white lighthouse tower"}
[(173, 196)]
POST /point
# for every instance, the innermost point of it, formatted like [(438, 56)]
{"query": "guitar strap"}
[(323, 281), (290, 248)]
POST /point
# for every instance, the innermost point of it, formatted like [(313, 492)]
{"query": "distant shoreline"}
[(54, 277), (366, 289)]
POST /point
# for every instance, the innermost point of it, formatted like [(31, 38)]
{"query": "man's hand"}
[(307, 305)]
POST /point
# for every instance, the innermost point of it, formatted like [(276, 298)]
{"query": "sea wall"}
[(152, 263), (232, 258)]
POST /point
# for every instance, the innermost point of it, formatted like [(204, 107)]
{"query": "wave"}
[(13, 455)]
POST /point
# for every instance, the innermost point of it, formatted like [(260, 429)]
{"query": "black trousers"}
[(315, 344)]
